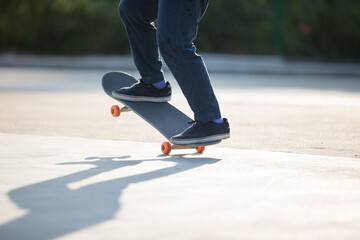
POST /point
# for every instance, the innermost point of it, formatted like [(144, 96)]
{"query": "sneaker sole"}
[(200, 140), (140, 98)]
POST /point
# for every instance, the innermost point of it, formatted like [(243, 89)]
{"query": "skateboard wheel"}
[(166, 147), (115, 111), (200, 149)]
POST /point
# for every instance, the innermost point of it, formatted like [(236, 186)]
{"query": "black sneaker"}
[(142, 92), (203, 132)]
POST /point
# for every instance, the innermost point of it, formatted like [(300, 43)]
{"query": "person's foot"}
[(142, 92), (203, 132)]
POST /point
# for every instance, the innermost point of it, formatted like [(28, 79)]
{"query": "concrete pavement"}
[(300, 114), (71, 171), (76, 188)]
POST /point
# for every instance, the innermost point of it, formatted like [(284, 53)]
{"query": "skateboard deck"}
[(164, 117)]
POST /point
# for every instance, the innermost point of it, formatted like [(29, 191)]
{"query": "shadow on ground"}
[(55, 210)]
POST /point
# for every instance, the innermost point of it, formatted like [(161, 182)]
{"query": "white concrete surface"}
[(299, 114), (85, 186), (76, 188)]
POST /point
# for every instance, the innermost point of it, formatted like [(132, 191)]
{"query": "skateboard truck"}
[(166, 147)]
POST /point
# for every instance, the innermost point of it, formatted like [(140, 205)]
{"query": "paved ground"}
[(290, 170), (76, 188), (287, 113)]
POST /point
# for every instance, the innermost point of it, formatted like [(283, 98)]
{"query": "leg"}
[(177, 28), (138, 17)]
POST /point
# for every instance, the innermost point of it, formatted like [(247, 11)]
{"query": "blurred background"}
[(317, 29)]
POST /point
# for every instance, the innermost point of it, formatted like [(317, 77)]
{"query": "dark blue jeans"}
[(176, 28)]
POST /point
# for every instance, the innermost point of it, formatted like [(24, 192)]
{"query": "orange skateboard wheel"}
[(200, 149), (115, 111), (166, 147)]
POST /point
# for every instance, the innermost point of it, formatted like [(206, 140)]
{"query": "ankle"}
[(159, 85), (219, 121)]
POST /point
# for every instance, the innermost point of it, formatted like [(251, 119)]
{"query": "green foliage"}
[(236, 26), (315, 28), (61, 26), (322, 28)]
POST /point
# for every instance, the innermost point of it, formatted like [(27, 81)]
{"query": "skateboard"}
[(164, 117)]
